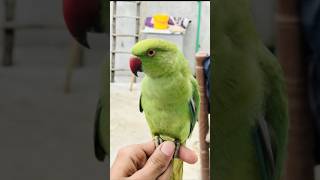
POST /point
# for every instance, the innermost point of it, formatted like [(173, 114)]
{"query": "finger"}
[(187, 155), (126, 162), (158, 162), (148, 147), (131, 158), (167, 174)]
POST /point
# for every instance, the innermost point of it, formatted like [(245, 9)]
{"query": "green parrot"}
[(250, 117), (169, 93)]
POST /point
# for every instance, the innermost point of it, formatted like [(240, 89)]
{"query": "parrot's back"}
[(250, 117)]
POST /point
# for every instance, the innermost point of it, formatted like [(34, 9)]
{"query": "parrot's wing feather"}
[(194, 104), (140, 104), (193, 115), (276, 112), (265, 149), (98, 149)]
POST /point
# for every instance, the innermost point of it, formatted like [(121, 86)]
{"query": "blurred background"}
[(46, 132)]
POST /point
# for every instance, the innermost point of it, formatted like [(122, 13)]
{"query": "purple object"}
[(171, 21), (148, 22), (183, 22)]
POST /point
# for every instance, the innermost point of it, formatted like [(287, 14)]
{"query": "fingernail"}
[(168, 148)]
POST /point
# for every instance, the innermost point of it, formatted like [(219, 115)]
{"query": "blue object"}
[(198, 27), (206, 66), (310, 15)]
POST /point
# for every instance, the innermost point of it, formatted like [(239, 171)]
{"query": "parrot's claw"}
[(176, 153), (158, 140)]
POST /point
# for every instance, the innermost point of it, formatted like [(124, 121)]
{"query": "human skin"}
[(145, 161)]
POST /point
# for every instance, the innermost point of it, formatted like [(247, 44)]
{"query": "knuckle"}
[(141, 158), (158, 163), (125, 151)]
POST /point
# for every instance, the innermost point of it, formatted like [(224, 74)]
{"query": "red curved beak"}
[(135, 65)]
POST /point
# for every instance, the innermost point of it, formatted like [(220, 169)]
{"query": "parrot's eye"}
[(151, 53)]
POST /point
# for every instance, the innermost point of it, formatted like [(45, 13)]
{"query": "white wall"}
[(188, 9)]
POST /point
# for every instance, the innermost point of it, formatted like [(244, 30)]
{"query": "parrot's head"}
[(156, 57), (80, 17)]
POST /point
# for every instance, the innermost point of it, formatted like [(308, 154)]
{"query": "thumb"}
[(158, 162)]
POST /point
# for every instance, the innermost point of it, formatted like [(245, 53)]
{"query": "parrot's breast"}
[(165, 102)]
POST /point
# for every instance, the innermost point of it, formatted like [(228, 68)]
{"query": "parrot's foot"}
[(176, 152), (158, 140)]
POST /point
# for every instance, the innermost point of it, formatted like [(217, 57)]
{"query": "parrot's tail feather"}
[(177, 169)]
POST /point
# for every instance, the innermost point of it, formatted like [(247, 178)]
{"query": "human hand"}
[(145, 161)]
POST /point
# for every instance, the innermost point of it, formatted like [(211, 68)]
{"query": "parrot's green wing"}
[(273, 128), (193, 115), (140, 105), (265, 149), (102, 125), (98, 148), (194, 104)]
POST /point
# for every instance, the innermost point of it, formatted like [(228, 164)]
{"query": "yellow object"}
[(160, 21)]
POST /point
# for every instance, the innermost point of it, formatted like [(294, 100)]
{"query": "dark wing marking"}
[(266, 156), (140, 104), (98, 149), (194, 104), (193, 115)]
